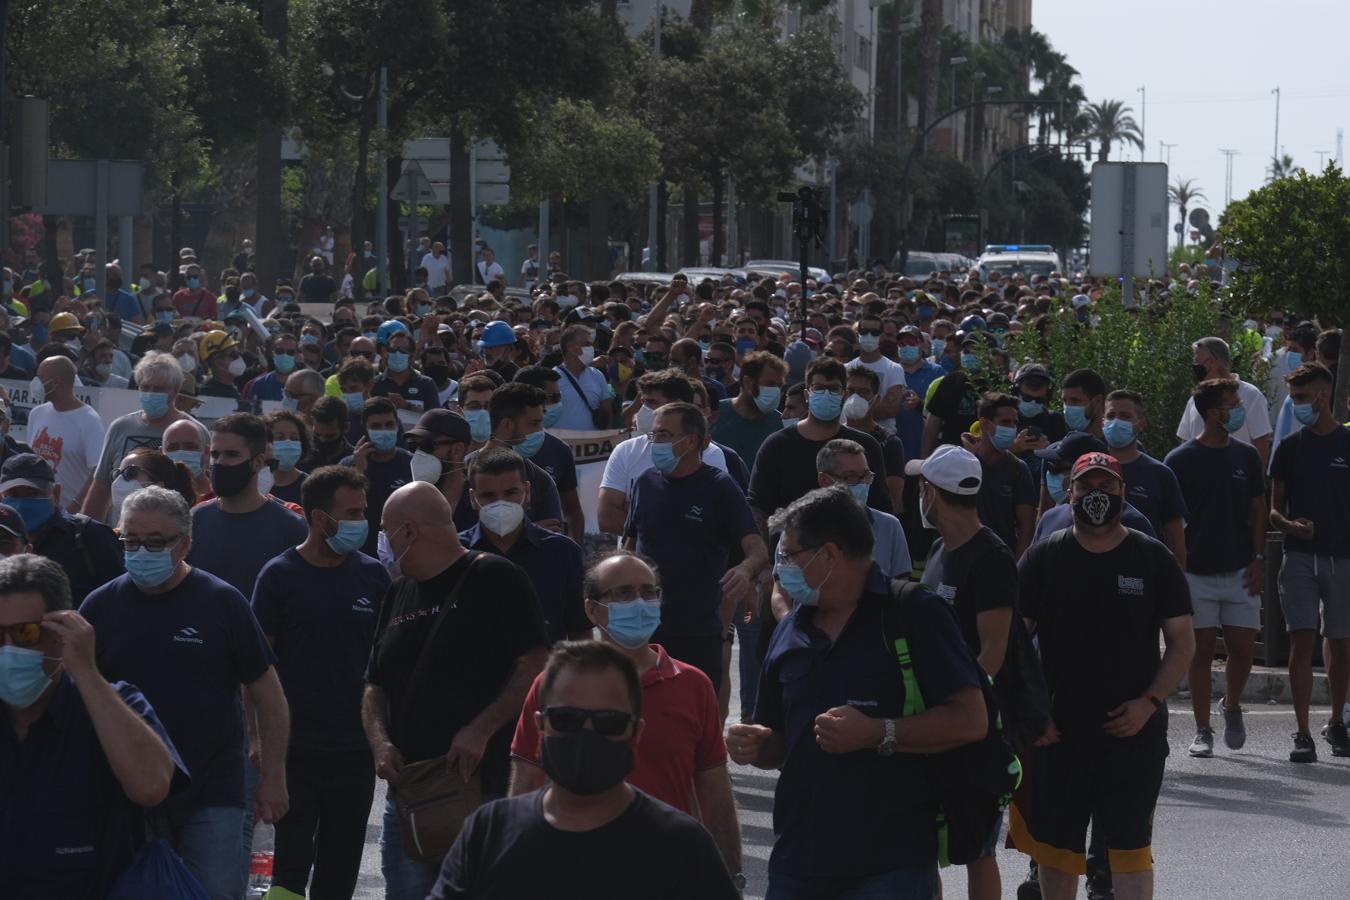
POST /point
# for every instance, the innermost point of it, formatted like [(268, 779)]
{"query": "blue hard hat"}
[(497, 334), (973, 323), (388, 330)]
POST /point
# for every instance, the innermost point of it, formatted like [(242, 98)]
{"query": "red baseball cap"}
[(1096, 460)]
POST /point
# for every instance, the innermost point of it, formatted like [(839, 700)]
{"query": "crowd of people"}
[(382, 566)]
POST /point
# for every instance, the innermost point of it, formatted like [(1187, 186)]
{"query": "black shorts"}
[(1117, 781)]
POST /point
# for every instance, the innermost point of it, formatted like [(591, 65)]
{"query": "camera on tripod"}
[(808, 215)]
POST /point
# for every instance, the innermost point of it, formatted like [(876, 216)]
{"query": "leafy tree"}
[(581, 150), (1293, 240), (1281, 166), (1183, 193), (1109, 122)]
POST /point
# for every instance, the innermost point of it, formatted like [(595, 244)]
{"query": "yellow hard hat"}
[(212, 343), (64, 321)]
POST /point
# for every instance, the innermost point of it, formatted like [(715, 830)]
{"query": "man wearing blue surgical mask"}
[(844, 462), (271, 385), (379, 457), (1150, 486), (555, 455), (1008, 495), (1058, 460), (317, 604), (405, 387), (1083, 393), (745, 422)]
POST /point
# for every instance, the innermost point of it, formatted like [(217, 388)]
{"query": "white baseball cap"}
[(952, 468)]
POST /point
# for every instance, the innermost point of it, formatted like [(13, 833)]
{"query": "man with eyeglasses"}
[(589, 826), (690, 518), (405, 387), (860, 413), (844, 462), (516, 416), (456, 617), (189, 641), (893, 395), (439, 442), (303, 389), (93, 756)]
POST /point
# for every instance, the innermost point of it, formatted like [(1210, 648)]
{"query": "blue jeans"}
[(404, 879), (747, 635), (918, 883), (207, 837)]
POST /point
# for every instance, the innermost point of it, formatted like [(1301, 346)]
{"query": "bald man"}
[(495, 646), (63, 430), (185, 441)]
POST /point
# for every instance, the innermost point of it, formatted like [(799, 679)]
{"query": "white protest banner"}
[(109, 403)]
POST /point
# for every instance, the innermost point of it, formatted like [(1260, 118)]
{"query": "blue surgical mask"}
[(926, 312), (793, 580), (631, 625), (351, 536), (309, 339), (705, 346), (247, 292), (287, 453), (790, 423), (552, 414), (354, 401), (89, 284), (768, 398), (664, 457), (193, 283), (745, 345), (284, 363), (289, 403), (384, 439), (149, 568), (190, 458), (154, 403), (1030, 409), (529, 445), (163, 315), (1118, 433), (22, 678), (970, 362), (480, 424), (859, 492), (398, 361), (910, 354), (35, 511), (1075, 417), (1294, 358), (1054, 483), (1237, 416), (1004, 435), (939, 346), (1305, 414), (825, 406)]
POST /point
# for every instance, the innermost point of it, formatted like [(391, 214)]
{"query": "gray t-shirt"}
[(127, 433), (235, 546)]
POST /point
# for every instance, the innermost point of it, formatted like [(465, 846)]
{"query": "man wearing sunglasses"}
[(87, 756), (270, 385), (683, 760), (588, 823)]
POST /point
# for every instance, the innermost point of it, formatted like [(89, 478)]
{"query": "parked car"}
[(779, 266)]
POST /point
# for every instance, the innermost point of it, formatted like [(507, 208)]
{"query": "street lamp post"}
[(1143, 123), (955, 62), (653, 188)]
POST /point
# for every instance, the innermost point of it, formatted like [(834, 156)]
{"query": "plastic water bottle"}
[(259, 875), (1266, 345)]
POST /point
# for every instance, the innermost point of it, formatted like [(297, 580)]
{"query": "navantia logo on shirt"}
[(1129, 586), (188, 636), (1338, 462), (946, 592), (695, 514), (363, 605)]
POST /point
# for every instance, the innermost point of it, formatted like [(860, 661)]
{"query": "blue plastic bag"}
[(157, 871)]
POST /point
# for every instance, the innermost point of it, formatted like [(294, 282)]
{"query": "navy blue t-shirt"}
[(1218, 484), (1151, 487), (1315, 470), (736, 467), (386, 476), (322, 623), (188, 650), (838, 815), (690, 526), (235, 546), (544, 502), (419, 390), (1004, 486), (555, 457)]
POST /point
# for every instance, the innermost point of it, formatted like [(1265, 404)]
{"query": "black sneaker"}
[(1305, 751), (1031, 888), (1338, 739), (1099, 886)]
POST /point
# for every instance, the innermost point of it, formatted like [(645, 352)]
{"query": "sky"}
[(1208, 68)]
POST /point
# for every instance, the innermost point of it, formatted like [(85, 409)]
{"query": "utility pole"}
[(1275, 154), (1321, 159), (1161, 146), (653, 188), (382, 204), (1143, 124), (1228, 175)]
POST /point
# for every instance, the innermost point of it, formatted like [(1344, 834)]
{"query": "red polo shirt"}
[(683, 734)]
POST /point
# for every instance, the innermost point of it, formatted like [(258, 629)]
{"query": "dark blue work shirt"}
[(67, 829), (1057, 518), (386, 476), (267, 386), (322, 624), (1151, 487), (690, 526), (1219, 485), (544, 502), (857, 814), (555, 457), (419, 390), (554, 565), (736, 467), (189, 650), (85, 548)]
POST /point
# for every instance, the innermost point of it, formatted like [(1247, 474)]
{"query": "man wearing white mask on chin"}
[(500, 492)]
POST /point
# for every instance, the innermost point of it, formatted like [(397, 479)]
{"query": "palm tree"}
[(1182, 193), (1281, 166), (1110, 122)]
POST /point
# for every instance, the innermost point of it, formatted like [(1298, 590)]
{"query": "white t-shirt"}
[(438, 270), (890, 373), (1257, 424), (634, 456), (576, 411), (71, 441), (489, 273)]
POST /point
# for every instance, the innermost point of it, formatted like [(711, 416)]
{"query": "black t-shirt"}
[(1004, 486), (1315, 470), (785, 469), (1097, 618), (385, 476), (317, 288), (892, 450), (509, 850), (1218, 485), (213, 388), (495, 619), (976, 577), (956, 403)]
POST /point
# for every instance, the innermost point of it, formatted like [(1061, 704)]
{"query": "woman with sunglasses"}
[(291, 449), (144, 466)]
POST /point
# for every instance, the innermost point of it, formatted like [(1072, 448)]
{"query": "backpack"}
[(973, 783)]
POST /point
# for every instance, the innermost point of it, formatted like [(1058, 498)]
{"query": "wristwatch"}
[(1259, 556), (887, 745), (738, 881)]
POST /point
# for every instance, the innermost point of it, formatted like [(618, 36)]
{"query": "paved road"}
[(1247, 824)]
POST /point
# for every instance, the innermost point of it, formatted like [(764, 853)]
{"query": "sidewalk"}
[(1268, 686)]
